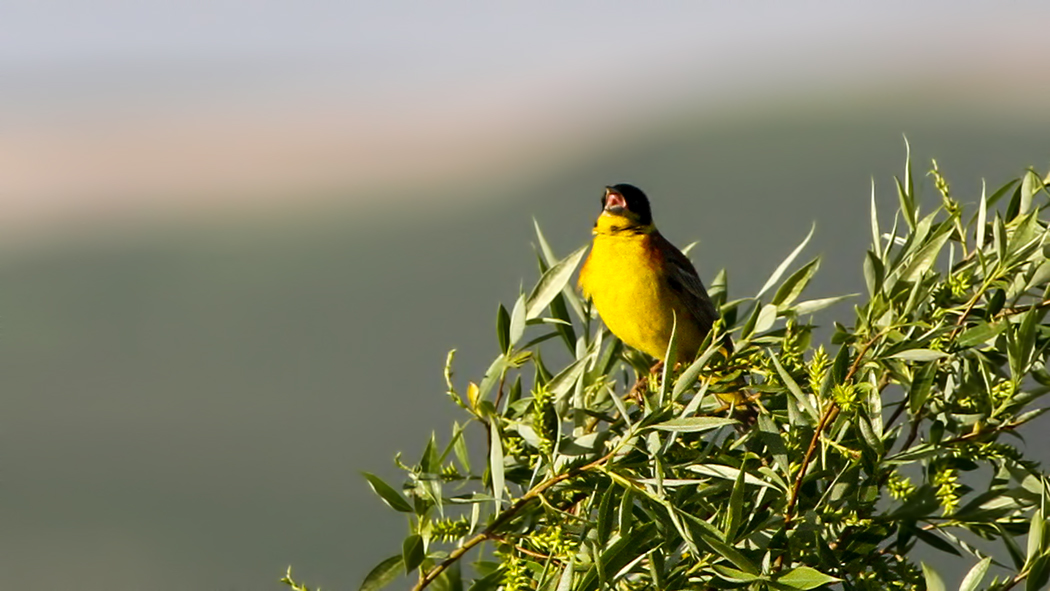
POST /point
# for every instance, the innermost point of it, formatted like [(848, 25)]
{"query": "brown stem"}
[(827, 417), (829, 414), (520, 548), (501, 519), (1022, 309), (499, 393)]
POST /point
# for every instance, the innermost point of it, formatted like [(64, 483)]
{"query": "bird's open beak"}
[(614, 201)]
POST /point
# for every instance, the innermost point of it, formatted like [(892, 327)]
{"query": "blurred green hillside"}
[(189, 407)]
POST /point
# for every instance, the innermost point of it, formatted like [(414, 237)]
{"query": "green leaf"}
[(926, 256), (606, 512), (412, 552), (906, 190), (625, 516), (795, 284), (979, 334), (919, 355), (548, 254), (490, 582), (492, 377), (496, 462), (1001, 192), (786, 263), (728, 473), (734, 575), (545, 247), (565, 328), (805, 578), (688, 377), (670, 358), (707, 535), (561, 384), (774, 442), (552, 282), (811, 306), (839, 369), (976, 575), (1039, 574), (516, 324), (748, 329), (937, 542), (792, 386), (874, 273), (429, 462), (982, 218), (565, 580), (736, 504), (693, 424), (459, 447), (1030, 185), (933, 580), (766, 317), (921, 384), (383, 574), (1036, 531), (503, 328), (386, 492), (876, 234), (623, 550)]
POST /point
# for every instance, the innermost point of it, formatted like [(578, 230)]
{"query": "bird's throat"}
[(610, 224)]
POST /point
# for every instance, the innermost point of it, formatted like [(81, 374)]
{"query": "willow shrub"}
[(898, 432)]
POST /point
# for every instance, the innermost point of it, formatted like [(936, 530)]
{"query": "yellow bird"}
[(640, 283)]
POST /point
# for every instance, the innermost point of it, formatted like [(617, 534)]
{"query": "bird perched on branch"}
[(640, 283)]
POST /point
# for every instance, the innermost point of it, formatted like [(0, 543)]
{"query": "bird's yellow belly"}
[(631, 295)]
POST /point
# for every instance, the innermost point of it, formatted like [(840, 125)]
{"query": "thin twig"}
[(1022, 309), (520, 548), (826, 418), (503, 518), (829, 414)]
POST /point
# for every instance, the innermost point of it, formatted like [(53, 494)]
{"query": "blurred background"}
[(238, 238)]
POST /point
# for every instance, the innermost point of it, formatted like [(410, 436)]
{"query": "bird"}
[(642, 285)]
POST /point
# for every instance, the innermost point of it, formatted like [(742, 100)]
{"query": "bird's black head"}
[(629, 202)]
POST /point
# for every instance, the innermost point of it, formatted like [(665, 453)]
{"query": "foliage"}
[(845, 456)]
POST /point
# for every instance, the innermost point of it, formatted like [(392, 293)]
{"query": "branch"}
[(829, 414), (1022, 309), (503, 518)]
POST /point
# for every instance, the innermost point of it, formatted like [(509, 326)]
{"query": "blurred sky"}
[(191, 406), (116, 110)]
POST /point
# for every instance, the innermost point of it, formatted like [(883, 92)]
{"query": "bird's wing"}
[(683, 279)]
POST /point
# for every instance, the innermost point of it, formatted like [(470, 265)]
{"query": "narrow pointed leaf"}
[(412, 552), (876, 243), (1036, 531), (973, 578), (775, 277), (792, 386), (794, 285), (804, 578), (728, 473), (383, 574), (386, 492), (552, 283), (919, 355), (516, 323), (934, 582), (496, 463), (503, 328), (693, 424), (811, 306)]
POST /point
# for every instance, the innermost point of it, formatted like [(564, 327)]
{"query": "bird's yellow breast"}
[(625, 278)]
